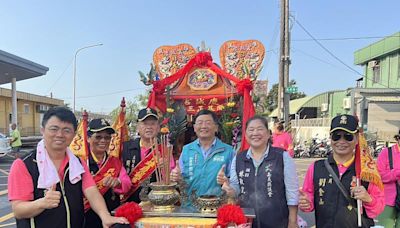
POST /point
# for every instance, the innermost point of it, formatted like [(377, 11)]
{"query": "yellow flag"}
[(369, 170), (79, 145), (121, 133)]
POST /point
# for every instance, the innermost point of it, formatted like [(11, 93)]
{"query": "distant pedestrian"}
[(282, 139), (15, 140)]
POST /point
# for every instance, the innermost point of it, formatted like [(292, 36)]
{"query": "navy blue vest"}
[(130, 158), (328, 200), (264, 189), (112, 199), (56, 217)]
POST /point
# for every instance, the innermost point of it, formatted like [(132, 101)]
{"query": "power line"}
[(327, 50), (105, 94), (338, 59), (346, 38), (51, 87), (318, 59)]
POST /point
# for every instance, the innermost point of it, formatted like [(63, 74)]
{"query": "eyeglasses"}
[(258, 129), (207, 122), (55, 129), (100, 137), (347, 136)]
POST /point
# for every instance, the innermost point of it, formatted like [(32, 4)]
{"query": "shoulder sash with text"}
[(112, 167)]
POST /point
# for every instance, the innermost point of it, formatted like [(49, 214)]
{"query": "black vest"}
[(328, 199), (264, 189), (130, 158), (112, 199), (56, 217)]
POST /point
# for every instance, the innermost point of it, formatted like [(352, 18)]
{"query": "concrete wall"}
[(384, 118), (301, 134)]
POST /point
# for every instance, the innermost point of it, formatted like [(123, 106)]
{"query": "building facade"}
[(30, 111), (377, 100)]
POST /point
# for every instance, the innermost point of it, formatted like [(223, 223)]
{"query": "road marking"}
[(5, 172), (8, 224), (3, 192), (6, 217)]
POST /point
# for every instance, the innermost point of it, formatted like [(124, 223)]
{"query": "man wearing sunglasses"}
[(107, 171), (334, 203)]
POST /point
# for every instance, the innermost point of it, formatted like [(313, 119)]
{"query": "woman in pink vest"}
[(282, 139), (390, 175)]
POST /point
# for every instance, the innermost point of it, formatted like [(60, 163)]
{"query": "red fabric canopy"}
[(204, 60)]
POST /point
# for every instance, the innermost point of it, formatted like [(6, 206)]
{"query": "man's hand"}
[(111, 181), (304, 202), (176, 174), (51, 198), (360, 193), (292, 224), (109, 220), (221, 178)]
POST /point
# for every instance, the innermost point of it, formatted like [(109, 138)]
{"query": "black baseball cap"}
[(100, 124), (397, 136), (145, 113), (344, 122)]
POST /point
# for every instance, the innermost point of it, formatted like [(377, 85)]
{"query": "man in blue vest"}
[(202, 159)]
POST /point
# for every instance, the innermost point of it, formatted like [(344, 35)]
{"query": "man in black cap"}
[(107, 171), (322, 193), (136, 150)]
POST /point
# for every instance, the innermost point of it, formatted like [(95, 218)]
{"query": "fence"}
[(315, 122)]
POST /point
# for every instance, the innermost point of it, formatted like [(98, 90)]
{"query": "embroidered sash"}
[(140, 173), (111, 167)]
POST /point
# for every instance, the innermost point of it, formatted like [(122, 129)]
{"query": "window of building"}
[(398, 67), (376, 74), (26, 108)]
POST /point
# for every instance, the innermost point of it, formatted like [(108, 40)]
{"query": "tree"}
[(272, 97), (132, 108)]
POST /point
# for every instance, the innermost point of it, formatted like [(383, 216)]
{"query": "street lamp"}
[(74, 76)]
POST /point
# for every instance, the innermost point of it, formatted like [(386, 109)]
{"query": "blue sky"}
[(49, 33)]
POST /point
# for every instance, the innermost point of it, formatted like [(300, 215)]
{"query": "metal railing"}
[(315, 122)]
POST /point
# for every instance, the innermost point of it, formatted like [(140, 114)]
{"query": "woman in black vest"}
[(264, 178)]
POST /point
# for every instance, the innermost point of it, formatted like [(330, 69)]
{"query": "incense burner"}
[(163, 196), (208, 203)]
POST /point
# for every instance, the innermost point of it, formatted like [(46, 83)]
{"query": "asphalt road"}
[(7, 217)]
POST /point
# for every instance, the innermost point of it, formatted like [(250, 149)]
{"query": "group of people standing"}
[(52, 187)]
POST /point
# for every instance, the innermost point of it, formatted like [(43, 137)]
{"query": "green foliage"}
[(149, 77), (230, 119), (175, 120), (272, 97), (132, 108)]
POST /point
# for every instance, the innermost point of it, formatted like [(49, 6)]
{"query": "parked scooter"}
[(301, 150)]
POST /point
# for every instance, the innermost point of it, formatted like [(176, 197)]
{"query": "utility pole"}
[(284, 62)]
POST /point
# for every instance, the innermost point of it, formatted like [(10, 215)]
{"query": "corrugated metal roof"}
[(375, 50), (294, 106), (384, 99)]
